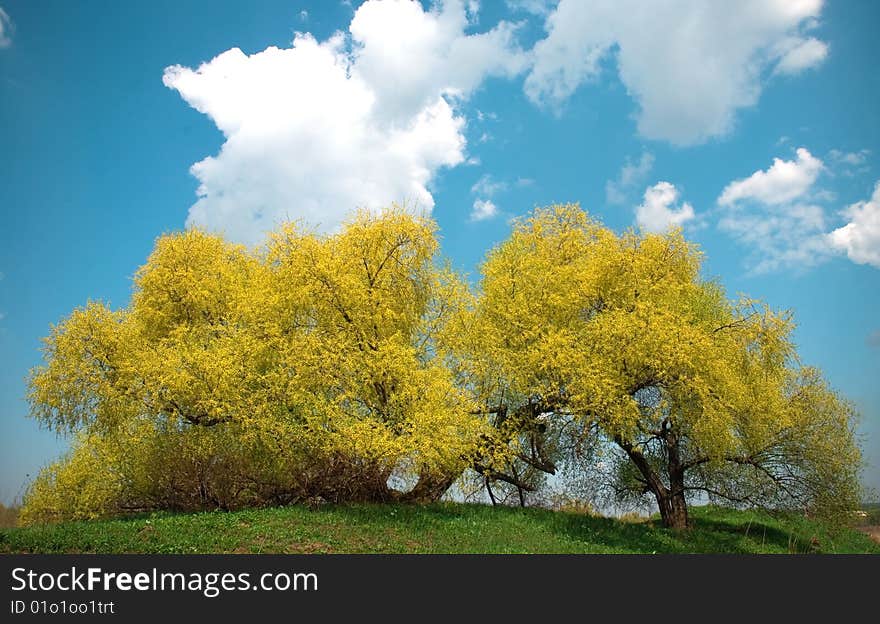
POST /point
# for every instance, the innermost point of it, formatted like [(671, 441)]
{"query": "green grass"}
[(440, 528)]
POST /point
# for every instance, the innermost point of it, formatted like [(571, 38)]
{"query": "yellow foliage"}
[(317, 362), (621, 332), (331, 341), (585, 319)]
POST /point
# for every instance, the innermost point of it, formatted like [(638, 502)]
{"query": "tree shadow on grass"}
[(760, 533), (707, 535)]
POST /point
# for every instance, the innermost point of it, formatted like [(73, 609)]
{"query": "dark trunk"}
[(673, 509), (675, 515), (489, 489), (429, 488), (670, 500), (519, 488)]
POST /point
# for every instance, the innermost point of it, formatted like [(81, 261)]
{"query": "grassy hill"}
[(441, 528)]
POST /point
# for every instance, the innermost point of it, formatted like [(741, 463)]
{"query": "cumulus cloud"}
[(322, 127), (6, 28), (797, 54), (854, 159), (860, 237), (774, 213), (777, 213), (657, 212), (850, 164), (631, 175), (787, 236), (483, 210), (689, 64), (488, 186), (535, 7), (784, 181), (410, 57)]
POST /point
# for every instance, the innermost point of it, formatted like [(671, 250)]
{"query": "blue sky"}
[(753, 125)]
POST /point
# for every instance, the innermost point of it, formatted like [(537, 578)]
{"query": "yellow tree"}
[(315, 355), (373, 301), (696, 393), (139, 385), (183, 349)]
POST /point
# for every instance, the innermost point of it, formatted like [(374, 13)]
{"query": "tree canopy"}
[(359, 366), (307, 368), (694, 392)]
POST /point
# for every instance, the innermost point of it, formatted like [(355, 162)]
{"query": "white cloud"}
[(472, 10), (823, 195), (410, 57), (774, 213), (535, 7), (853, 159), (657, 212), (303, 15), (786, 236), (488, 186), (631, 175), (6, 29), (689, 64), (483, 209), (797, 54), (860, 238), (491, 116), (783, 182), (320, 128)]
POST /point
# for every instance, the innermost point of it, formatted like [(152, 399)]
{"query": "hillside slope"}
[(441, 528)]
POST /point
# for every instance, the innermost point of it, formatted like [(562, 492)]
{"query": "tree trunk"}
[(673, 508), (489, 489), (670, 500), (674, 503), (429, 488)]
